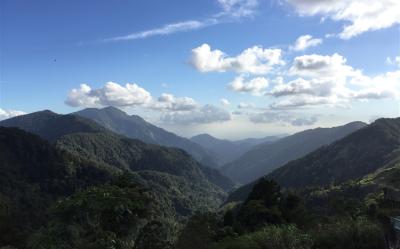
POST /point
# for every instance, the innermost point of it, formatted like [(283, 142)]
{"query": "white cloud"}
[(393, 61), (321, 66), (238, 8), (6, 114), (170, 102), (111, 94), (166, 30), (255, 86), (204, 115), (361, 15), (329, 81), (254, 60), (232, 10), (299, 101), (244, 105), (282, 118), (304, 42), (225, 102)]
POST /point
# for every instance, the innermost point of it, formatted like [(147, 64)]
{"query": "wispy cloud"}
[(166, 30), (232, 10)]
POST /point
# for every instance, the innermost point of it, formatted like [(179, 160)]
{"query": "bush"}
[(271, 237)]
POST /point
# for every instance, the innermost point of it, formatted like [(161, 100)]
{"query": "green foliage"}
[(199, 233), (267, 205), (156, 235), (270, 237), (100, 217), (350, 234)]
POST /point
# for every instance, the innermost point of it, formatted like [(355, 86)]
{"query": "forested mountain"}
[(33, 175), (363, 152), (50, 125), (91, 140), (370, 155), (266, 157), (133, 126), (36, 175), (342, 195), (226, 150), (124, 153)]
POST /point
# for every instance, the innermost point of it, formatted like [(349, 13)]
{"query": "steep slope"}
[(40, 181), (135, 127), (32, 176), (130, 154), (50, 125), (266, 157), (362, 152), (226, 150)]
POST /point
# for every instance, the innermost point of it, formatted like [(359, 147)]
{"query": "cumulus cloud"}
[(300, 101), (301, 86), (6, 114), (283, 118), (329, 80), (111, 94), (255, 86), (361, 15), (204, 115), (170, 102), (225, 102), (254, 60), (322, 66), (304, 42)]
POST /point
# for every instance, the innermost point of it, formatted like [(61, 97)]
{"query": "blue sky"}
[(49, 48)]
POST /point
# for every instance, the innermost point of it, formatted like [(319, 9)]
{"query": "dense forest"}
[(70, 182)]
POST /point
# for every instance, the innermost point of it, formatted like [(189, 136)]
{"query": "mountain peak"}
[(112, 109)]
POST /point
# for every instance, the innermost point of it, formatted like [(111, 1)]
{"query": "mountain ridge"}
[(268, 156), (136, 127)]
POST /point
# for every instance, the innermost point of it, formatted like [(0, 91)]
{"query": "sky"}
[(230, 68)]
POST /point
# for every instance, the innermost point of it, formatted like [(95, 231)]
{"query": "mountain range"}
[(71, 181), (368, 158), (266, 157), (227, 151)]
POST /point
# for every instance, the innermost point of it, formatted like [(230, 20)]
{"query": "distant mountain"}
[(226, 150), (50, 125), (266, 157), (133, 126), (369, 158), (374, 147)]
